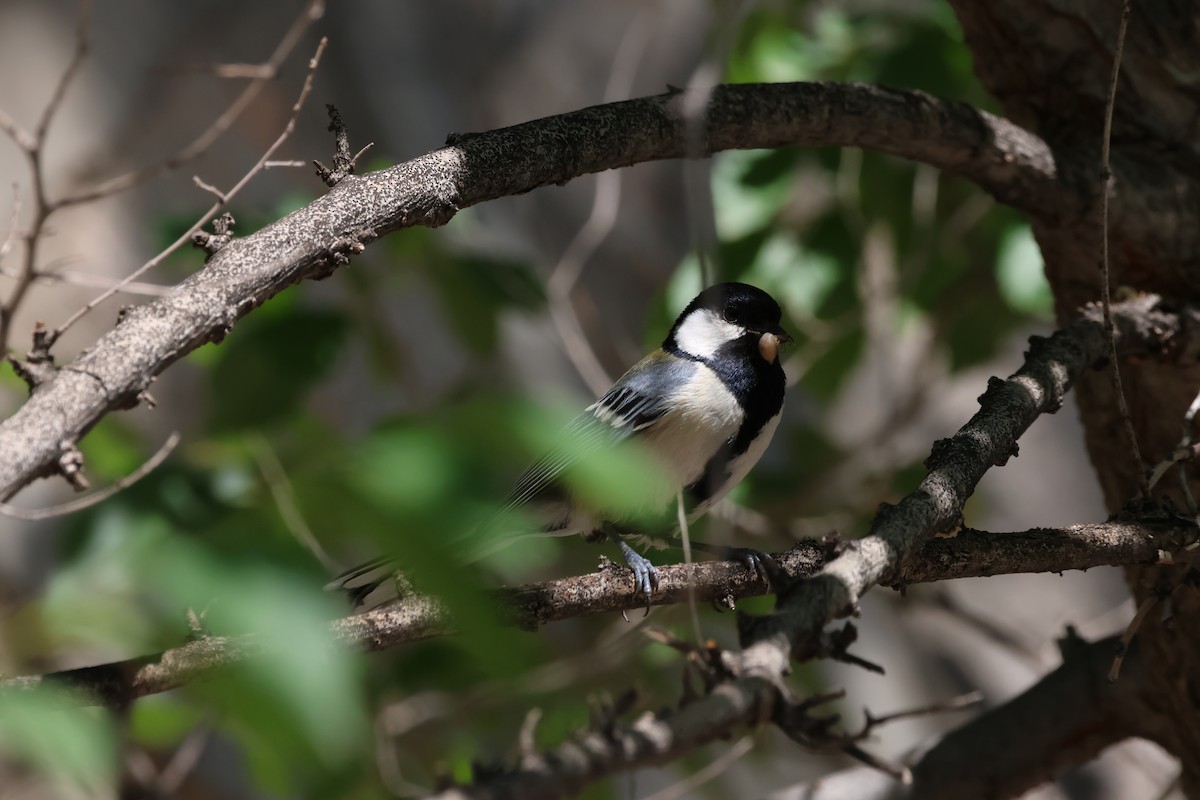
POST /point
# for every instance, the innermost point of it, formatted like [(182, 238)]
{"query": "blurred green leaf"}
[(800, 280), (75, 748), (1020, 274), (163, 720), (111, 449), (269, 363), (743, 206)]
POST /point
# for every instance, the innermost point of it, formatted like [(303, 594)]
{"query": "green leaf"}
[(1020, 274), (75, 748), (476, 289), (746, 199), (268, 364)]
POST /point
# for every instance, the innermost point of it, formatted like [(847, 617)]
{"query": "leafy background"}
[(387, 409)]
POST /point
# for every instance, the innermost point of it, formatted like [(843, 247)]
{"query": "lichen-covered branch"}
[(312, 242)]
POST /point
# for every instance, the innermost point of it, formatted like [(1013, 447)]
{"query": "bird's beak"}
[(769, 343)]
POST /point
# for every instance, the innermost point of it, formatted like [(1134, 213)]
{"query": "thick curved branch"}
[(971, 553), (1016, 167), (1063, 720)]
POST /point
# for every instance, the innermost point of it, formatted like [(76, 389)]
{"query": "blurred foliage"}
[(215, 530)]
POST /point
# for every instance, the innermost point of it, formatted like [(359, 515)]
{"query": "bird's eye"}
[(726, 314)]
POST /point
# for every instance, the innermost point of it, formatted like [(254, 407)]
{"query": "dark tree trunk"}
[(1048, 62)]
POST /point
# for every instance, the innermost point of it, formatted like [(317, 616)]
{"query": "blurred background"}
[(386, 408)]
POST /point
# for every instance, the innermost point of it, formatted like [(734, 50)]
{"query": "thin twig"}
[(82, 45), (87, 502), (312, 11), (1184, 452), (75, 278), (14, 221), (212, 212), (687, 559), (285, 500), (713, 769), (1106, 289), (1148, 603), (953, 704), (21, 137), (251, 71), (183, 762), (606, 203), (33, 145), (208, 187)]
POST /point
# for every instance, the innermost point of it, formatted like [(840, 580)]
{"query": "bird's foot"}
[(645, 576), (758, 562)]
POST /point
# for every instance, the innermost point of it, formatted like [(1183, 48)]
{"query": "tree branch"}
[(1063, 720), (1016, 167), (955, 465), (971, 553)]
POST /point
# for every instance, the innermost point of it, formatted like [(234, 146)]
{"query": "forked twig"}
[(212, 211), (87, 502), (262, 74)]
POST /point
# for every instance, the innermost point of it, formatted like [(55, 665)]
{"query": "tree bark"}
[(1048, 62)]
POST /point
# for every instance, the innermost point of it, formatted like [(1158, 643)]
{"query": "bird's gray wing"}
[(632, 406)]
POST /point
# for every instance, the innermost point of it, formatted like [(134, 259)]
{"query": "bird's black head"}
[(724, 315)]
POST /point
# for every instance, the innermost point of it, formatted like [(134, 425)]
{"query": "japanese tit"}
[(704, 407)]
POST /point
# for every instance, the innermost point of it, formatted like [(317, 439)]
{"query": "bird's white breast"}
[(704, 415)]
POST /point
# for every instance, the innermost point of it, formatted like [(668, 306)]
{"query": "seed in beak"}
[(768, 347)]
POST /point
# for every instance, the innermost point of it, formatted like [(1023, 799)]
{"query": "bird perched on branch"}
[(703, 408)]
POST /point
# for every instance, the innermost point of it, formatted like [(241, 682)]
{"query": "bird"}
[(703, 407)]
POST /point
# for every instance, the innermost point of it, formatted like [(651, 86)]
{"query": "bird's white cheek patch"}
[(703, 332)]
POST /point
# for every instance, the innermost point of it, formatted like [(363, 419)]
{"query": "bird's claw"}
[(758, 562), (645, 576)]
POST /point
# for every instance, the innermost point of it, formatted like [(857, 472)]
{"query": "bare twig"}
[(709, 771), (76, 278), (344, 164), (14, 221), (227, 196), (208, 187), (953, 704), (606, 202), (285, 500), (183, 761), (1105, 280), (1122, 649), (1185, 451), (83, 35), (685, 537), (87, 502), (264, 73), (33, 146)]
